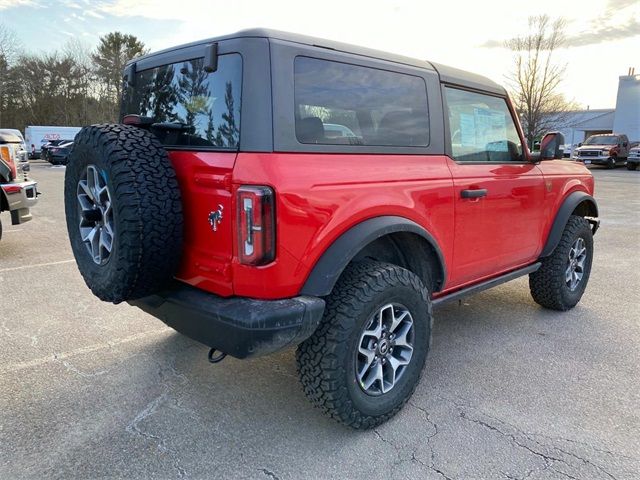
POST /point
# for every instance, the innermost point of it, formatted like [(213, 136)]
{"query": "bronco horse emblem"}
[(215, 218)]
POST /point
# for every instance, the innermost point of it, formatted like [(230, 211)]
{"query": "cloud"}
[(615, 5), (4, 4), (93, 14), (616, 22), (604, 33), (72, 4)]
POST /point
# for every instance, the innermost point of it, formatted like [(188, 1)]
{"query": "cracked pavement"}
[(510, 390)]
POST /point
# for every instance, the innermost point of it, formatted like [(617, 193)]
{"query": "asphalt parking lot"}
[(89, 389)]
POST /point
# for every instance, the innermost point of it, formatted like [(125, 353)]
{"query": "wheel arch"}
[(576, 203), (385, 238)]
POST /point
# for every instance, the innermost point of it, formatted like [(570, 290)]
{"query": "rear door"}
[(499, 195), (196, 116)]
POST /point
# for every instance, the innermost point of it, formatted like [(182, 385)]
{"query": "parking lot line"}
[(22, 267), (56, 357)]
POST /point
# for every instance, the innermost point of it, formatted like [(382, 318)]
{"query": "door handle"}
[(476, 193)]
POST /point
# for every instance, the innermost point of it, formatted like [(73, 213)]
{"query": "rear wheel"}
[(365, 359), (561, 280)]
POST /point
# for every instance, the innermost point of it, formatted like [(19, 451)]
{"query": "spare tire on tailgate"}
[(124, 212)]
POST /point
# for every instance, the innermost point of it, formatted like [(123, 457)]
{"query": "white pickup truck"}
[(17, 192)]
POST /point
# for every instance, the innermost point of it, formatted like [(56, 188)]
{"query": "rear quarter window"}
[(343, 104), (189, 106)]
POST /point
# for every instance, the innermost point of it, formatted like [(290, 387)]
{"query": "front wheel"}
[(561, 280), (612, 163), (365, 359), (632, 166)]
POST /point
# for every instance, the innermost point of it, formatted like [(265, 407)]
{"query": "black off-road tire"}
[(547, 284), (326, 361), (0, 229), (632, 166), (612, 163), (147, 211)]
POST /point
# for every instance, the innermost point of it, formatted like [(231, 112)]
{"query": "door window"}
[(481, 128)]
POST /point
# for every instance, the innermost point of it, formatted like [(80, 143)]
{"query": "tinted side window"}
[(481, 128), (190, 107), (342, 104)]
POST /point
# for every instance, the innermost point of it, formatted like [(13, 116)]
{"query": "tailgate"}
[(205, 185)]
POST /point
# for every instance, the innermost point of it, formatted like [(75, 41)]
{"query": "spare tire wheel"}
[(124, 212)]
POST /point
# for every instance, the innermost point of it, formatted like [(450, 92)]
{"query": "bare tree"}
[(10, 46), (536, 77), (9, 50)]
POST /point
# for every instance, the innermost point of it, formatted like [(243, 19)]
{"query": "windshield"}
[(601, 140), (189, 106)]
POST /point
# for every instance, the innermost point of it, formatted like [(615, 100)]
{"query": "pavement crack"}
[(150, 409), (269, 473), (547, 457), (512, 437), (441, 473), (427, 417)]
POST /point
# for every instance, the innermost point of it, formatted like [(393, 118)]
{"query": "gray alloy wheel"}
[(575, 264), (385, 349), (96, 215)]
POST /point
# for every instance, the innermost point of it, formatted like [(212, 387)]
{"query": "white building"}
[(625, 118)]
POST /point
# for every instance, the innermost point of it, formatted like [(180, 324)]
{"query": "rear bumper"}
[(240, 327), (20, 197)]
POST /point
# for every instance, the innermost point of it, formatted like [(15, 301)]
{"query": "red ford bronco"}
[(267, 190)]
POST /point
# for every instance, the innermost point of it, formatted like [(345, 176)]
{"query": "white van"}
[(37, 136)]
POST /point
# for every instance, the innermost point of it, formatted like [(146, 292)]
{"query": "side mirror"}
[(580, 144), (624, 144), (550, 146)]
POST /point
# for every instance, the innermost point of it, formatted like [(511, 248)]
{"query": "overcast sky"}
[(604, 35)]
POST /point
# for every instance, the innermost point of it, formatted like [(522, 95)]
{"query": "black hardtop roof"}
[(447, 74)]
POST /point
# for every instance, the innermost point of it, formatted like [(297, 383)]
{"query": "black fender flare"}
[(562, 217), (335, 259)]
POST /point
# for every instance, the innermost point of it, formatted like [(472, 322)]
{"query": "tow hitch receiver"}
[(213, 358)]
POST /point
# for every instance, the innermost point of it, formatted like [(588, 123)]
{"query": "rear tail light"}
[(9, 189), (6, 154), (256, 225)]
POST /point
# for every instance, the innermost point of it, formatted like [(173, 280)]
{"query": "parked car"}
[(609, 150), (44, 150), (58, 155), (248, 228), (633, 160), (17, 192)]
